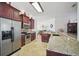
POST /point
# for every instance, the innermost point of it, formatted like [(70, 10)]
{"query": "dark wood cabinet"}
[(22, 40), (31, 23), (45, 37), (72, 27), (11, 13), (7, 11), (53, 53), (26, 19), (16, 15), (1, 9), (33, 36)]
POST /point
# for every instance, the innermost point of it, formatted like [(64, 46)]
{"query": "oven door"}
[(27, 38)]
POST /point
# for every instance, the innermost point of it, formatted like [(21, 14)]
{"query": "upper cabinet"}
[(0, 9), (16, 15), (4, 10), (7, 11), (31, 23), (26, 19)]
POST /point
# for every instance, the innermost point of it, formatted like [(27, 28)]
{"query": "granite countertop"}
[(63, 44)]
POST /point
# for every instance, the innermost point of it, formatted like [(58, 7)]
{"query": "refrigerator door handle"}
[(12, 34)]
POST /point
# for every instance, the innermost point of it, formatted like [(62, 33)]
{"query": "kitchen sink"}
[(56, 34)]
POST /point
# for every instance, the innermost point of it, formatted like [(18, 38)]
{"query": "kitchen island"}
[(63, 44)]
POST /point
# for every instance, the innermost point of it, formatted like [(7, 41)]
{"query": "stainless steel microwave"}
[(26, 26)]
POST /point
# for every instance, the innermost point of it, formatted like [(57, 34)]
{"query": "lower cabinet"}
[(33, 36), (45, 37), (53, 53), (22, 40), (25, 39)]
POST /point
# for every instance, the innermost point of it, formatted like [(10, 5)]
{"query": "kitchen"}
[(14, 29), (26, 32)]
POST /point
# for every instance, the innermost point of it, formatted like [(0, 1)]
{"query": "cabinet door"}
[(31, 24), (16, 15), (25, 19), (45, 37), (22, 40), (33, 36), (1, 10), (11, 13), (6, 11)]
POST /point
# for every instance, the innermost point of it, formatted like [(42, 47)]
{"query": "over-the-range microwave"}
[(26, 26)]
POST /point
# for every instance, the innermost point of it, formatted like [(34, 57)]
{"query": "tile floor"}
[(35, 48), (38, 48)]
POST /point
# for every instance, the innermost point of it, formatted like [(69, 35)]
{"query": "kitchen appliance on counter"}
[(10, 35)]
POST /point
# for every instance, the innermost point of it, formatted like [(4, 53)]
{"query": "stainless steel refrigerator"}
[(10, 35)]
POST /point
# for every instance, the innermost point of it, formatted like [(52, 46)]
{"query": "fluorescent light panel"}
[(37, 6)]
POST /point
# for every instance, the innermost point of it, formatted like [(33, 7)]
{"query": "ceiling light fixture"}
[(37, 6)]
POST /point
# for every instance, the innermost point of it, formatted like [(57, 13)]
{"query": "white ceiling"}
[(51, 9)]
